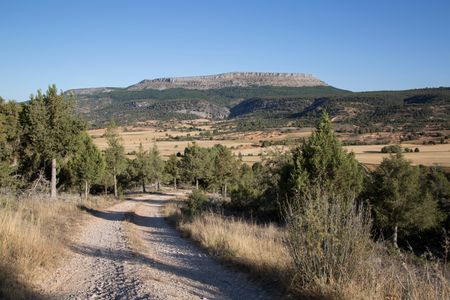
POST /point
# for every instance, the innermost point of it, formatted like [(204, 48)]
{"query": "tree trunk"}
[(106, 189), (86, 189), (225, 190), (143, 185), (175, 182), (196, 183), (395, 236), (115, 183), (53, 180)]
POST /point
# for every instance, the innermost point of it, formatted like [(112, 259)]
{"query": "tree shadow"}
[(13, 286), (106, 215), (122, 256), (188, 260)]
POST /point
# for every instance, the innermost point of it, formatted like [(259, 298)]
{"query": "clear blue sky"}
[(356, 45)]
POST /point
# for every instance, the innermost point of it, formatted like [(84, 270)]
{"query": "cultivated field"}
[(429, 155), (173, 137)]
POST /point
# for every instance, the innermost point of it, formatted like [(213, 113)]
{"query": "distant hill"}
[(238, 95), (414, 109), (191, 97), (233, 79)]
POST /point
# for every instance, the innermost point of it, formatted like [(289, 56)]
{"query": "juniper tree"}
[(322, 161)]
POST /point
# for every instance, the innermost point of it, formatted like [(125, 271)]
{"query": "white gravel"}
[(102, 265)]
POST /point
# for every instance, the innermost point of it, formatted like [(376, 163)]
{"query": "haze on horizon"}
[(351, 45)]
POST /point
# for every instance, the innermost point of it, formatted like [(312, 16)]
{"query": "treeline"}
[(45, 147)]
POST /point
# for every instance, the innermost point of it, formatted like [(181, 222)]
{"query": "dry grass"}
[(255, 248), (133, 235), (263, 251), (32, 236)]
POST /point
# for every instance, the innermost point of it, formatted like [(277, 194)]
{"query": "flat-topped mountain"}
[(255, 95), (232, 79)]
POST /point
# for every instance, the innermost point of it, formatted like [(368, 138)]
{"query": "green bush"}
[(391, 149), (196, 201)]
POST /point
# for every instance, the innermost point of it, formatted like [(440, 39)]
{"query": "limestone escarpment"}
[(233, 79)]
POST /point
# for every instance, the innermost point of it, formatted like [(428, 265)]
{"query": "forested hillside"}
[(127, 106)]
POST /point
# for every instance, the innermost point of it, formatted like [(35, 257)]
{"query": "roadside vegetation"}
[(316, 224), (33, 233)]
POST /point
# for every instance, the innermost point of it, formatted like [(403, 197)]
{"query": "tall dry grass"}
[(32, 235), (363, 271), (258, 249)]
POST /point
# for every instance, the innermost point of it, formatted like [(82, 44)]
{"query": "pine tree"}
[(156, 166), (115, 154), (142, 166), (225, 166), (399, 202), (8, 141), (194, 163), (172, 167), (50, 131), (88, 164)]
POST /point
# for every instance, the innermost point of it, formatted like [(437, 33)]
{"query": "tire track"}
[(103, 266)]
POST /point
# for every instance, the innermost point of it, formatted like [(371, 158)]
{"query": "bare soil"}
[(103, 265)]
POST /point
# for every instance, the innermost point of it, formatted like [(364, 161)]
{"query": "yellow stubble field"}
[(247, 144)]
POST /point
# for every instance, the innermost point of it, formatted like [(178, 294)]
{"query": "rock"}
[(233, 79)]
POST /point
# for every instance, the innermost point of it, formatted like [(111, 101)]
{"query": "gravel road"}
[(103, 266)]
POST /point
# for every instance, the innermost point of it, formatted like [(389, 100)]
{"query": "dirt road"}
[(102, 265)]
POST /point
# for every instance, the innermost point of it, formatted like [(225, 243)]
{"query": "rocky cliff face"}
[(234, 79)]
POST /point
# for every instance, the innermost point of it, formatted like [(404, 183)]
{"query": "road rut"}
[(103, 266)]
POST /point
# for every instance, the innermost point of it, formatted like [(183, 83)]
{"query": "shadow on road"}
[(168, 252), (156, 231)]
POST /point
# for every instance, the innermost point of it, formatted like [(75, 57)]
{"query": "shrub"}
[(391, 149), (329, 241), (195, 203), (417, 150)]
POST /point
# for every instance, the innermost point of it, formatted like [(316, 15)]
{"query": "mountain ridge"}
[(216, 81), (231, 79)]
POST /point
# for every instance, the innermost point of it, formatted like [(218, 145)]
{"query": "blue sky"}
[(356, 45)]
